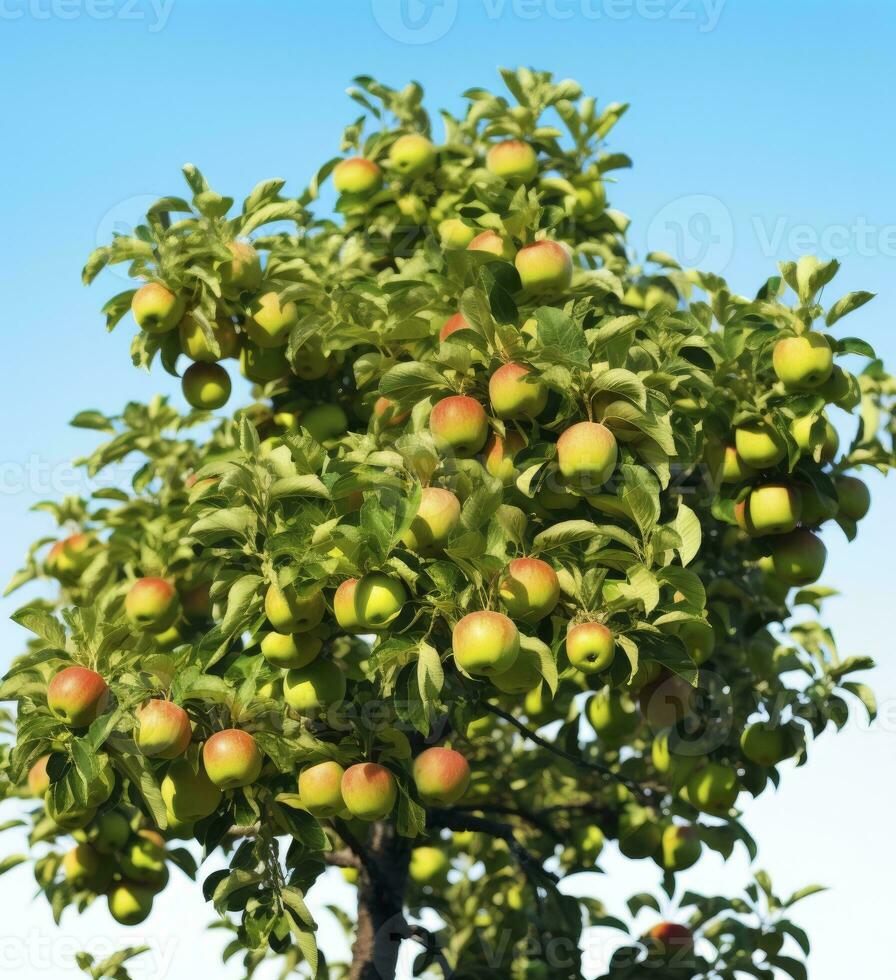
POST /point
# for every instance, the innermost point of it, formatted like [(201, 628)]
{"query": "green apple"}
[(587, 454), (72, 819), (288, 611), (803, 362), (700, 639), (714, 788), (68, 558), (263, 364), (437, 517), (320, 787), (441, 775), (189, 794), (681, 847), (310, 363), (344, 607), (759, 445), (412, 155), (590, 647), (764, 745), (369, 791), (109, 832), (270, 320), (206, 386), (313, 689), (816, 507), (455, 234), (640, 836), (732, 469), (522, 676), (775, 508), (156, 309), (544, 267), (379, 599), (83, 866), (130, 903), (357, 175), (163, 729), (291, 650), (195, 344), (152, 604), (492, 243), (529, 589), (514, 160), (613, 715), (500, 453), (143, 862), (666, 701), (242, 273), (838, 389), (459, 425), (814, 437), (798, 558), (428, 865), (516, 392), (853, 496), (77, 696), (325, 422), (485, 643), (671, 757), (232, 759)]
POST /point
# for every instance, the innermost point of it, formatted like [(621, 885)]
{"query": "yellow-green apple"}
[(38, 777), (666, 701), (714, 788), (206, 386), (587, 454), (325, 422), (344, 607), (441, 776), (764, 745), (82, 866), (69, 557), (813, 437), (314, 688), (485, 643), (143, 862), (544, 267), (494, 244), (109, 832), (357, 175), (72, 819), (500, 452), (412, 155), (350, 875), (387, 413), (195, 344), (189, 794), (681, 847), (379, 599), (522, 676), (671, 940), (838, 389), (77, 696), (529, 589), (291, 650), (667, 752), (232, 758), (759, 445), (454, 323), (310, 363), (803, 362), (178, 829), (242, 272), (270, 320), (732, 468), (291, 612), (774, 508), (130, 903), (514, 160), (613, 715), (437, 516), (700, 639), (590, 647), (516, 392), (263, 364), (156, 309), (798, 558), (369, 791), (320, 788), (640, 836), (455, 234), (589, 841), (163, 729), (428, 865), (816, 507), (152, 604), (853, 497), (459, 425)]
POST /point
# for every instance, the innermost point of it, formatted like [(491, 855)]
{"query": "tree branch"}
[(345, 857)]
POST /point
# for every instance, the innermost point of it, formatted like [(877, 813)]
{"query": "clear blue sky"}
[(759, 129)]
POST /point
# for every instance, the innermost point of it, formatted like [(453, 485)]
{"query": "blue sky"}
[(758, 129)]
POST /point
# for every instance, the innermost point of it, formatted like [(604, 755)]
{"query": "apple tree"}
[(500, 563)]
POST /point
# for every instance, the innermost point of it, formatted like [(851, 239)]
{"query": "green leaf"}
[(846, 304)]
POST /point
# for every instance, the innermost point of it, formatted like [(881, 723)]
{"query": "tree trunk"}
[(381, 924)]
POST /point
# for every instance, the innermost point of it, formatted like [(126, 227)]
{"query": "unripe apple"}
[(387, 413), (804, 362), (313, 689), (69, 557), (195, 344), (817, 508), (350, 875), (671, 940), (289, 612), (291, 650), (320, 787), (733, 468), (529, 589), (522, 676), (243, 272), (667, 752), (441, 776), (809, 437), (187, 794), (640, 836), (412, 155), (109, 832), (325, 422), (681, 848), (759, 445), (485, 643), (455, 234), (853, 496), (73, 819), (500, 452), (152, 604), (345, 609), (666, 701), (82, 866), (310, 363), (270, 320), (428, 865), (379, 599), (516, 392), (613, 715), (206, 386), (459, 425), (587, 454), (232, 759), (544, 267), (774, 508), (838, 390), (798, 558), (130, 903), (590, 647), (156, 309), (763, 745), (514, 160), (164, 730), (454, 323), (714, 789), (700, 639), (38, 777), (143, 862), (589, 841), (437, 517), (493, 243), (263, 364), (369, 791), (357, 175), (77, 696)]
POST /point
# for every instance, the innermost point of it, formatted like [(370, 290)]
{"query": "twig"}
[(345, 857)]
